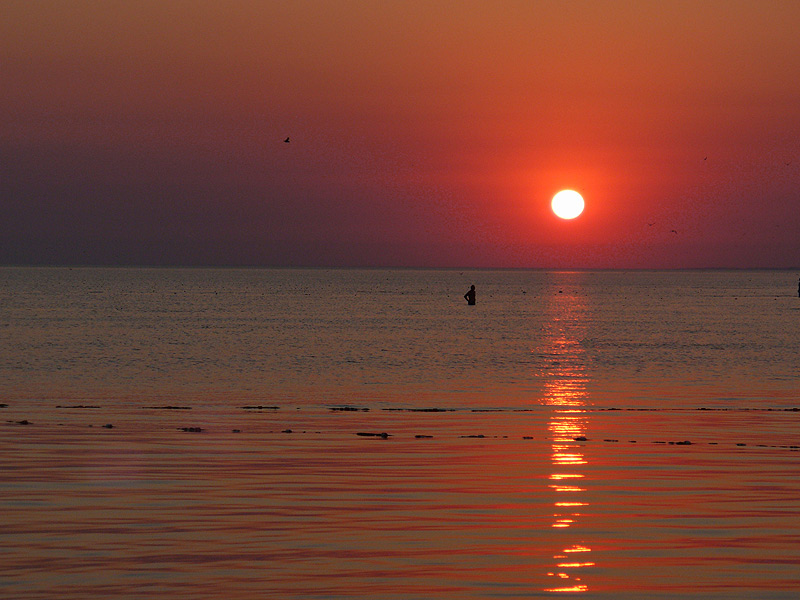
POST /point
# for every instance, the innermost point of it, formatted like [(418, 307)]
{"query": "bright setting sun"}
[(567, 204)]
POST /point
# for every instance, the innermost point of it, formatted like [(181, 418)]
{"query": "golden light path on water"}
[(565, 392)]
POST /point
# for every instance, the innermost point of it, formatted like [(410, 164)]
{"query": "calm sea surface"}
[(223, 433)]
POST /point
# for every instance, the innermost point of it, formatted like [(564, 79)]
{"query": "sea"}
[(343, 433)]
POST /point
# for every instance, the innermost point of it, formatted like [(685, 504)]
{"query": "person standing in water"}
[(470, 296)]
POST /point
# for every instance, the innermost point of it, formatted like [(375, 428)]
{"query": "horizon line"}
[(377, 267)]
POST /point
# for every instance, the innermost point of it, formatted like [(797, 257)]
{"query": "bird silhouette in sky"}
[(673, 231), (286, 141)]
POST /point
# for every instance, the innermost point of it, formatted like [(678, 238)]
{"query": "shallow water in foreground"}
[(609, 435)]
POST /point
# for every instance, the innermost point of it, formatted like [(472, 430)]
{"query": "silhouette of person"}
[(470, 296), (798, 287)]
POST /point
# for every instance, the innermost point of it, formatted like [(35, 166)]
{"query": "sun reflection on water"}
[(565, 391)]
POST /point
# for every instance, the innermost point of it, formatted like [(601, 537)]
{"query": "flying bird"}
[(286, 141), (673, 231)]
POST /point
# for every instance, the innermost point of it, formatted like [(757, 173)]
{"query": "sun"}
[(567, 204)]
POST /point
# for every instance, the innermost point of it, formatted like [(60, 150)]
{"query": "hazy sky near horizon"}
[(422, 133)]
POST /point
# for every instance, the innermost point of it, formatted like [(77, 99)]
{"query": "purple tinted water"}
[(536, 443)]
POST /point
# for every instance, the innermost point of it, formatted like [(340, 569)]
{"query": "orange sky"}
[(422, 133)]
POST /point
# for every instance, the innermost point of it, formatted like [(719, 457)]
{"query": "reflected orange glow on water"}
[(574, 588), (567, 458), (567, 488), (565, 391)]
